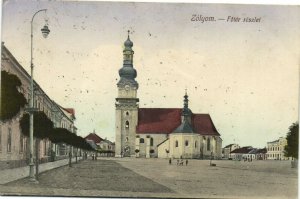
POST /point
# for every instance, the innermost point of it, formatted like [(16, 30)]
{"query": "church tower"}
[(126, 104)]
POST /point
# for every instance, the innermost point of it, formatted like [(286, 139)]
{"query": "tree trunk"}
[(70, 156), (37, 157), (76, 154)]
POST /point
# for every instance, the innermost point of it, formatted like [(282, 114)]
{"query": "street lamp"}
[(31, 110)]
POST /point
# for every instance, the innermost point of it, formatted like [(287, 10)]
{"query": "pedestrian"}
[(186, 162), (170, 161), (181, 162)]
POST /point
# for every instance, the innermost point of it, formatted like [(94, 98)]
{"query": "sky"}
[(245, 75)]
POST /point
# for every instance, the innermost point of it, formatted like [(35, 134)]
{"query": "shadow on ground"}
[(95, 175)]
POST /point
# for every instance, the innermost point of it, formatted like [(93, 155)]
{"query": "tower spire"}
[(127, 72), (186, 112)]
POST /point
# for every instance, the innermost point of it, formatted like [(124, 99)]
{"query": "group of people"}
[(180, 162), (249, 159), (94, 157)]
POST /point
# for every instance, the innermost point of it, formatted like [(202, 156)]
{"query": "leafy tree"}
[(42, 125), (291, 149), (11, 99)]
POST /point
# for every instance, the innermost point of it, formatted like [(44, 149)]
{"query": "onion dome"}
[(127, 72), (128, 43)]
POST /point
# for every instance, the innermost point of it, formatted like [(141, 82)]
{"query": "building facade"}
[(14, 146), (275, 149), (159, 132), (227, 149)]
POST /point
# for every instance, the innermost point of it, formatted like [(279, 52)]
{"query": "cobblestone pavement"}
[(134, 177), (229, 179), (87, 178)]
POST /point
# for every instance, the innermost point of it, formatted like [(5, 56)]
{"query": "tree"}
[(11, 99), (291, 149)]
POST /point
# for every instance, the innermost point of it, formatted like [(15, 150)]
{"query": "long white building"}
[(14, 146)]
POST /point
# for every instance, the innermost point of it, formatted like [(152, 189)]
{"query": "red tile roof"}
[(70, 110), (166, 120), (244, 150), (93, 136)]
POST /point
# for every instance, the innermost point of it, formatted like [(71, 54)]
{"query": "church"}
[(159, 132)]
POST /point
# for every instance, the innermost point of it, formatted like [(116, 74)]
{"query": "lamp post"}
[(45, 32)]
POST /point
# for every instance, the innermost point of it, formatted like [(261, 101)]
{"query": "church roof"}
[(166, 120), (184, 127)]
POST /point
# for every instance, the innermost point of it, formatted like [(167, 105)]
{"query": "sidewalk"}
[(9, 175)]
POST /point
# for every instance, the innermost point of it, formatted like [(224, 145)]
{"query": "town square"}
[(159, 100)]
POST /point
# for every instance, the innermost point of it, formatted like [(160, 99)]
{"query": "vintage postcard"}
[(149, 99)]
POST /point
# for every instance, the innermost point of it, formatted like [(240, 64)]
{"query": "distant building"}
[(107, 145), (240, 153), (103, 145), (14, 146), (96, 139), (275, 149), (261, 154), (227, 149)]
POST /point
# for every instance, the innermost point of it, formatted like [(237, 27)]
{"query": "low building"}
[(275, 149), (104, 146), (227, 149), (14, 146), (240, 153), (261, 154), (95, 138)]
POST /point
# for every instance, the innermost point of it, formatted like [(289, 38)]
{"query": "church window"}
[(0, 138), (9, 140), (127, 113), (126, 124), (176, 143), (195, 144), (186, 143), (21, 142), (45, 147), (141, 140), (151, 141), (126, 139), (208, 144)]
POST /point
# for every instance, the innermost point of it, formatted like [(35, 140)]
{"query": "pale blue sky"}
[(244, 75)]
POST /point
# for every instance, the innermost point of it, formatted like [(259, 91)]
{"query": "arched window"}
[(186, 143), (126, 124), (141, 140), (208, 144), (45, 147), (126, 139), (127, 113), (9, 140), (0, 139), (176, 143), (21, 142), (151, 141), (195, 144)]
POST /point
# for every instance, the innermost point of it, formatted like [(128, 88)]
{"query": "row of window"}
[(274, 155), (176, 143), (23, 142), (274, 148), (187, 144)]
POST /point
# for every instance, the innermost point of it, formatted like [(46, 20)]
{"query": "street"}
[(131, 177)]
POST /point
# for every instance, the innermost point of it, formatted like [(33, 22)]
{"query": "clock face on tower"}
[(127, 87)]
